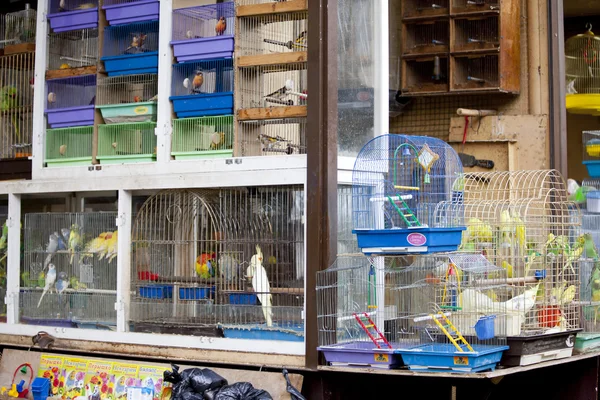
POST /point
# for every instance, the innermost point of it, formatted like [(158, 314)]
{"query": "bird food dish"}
[(125, 13)]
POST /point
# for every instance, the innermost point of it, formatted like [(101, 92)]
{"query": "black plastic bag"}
[(240, 391), (192, 383)]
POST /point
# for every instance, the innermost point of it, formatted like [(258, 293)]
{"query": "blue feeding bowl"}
[(195, 293), (484, 328), (242, 298), (156, 292)]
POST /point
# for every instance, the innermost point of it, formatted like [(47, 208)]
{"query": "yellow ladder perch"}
[(454, 339)]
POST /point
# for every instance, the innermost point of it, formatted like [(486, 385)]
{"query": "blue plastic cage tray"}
[(361, 354), (129, 64), (292, 332), (443, 357), (156, 292), (203, 104), (409, 241), (593, 168)]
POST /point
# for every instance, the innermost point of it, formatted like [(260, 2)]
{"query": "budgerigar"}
[(505, 229), (50, 280), (51, 248), (61, 242), (260, 283), (228, 268), (74, 241), (62, 283), (96, 245), (520, 233), (111, 247)]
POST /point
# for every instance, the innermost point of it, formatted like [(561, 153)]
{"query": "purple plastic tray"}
[(203, 48), (361, 354), (70, 116), (144, 10), (72, 20)]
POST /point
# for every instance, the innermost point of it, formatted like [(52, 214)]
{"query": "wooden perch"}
[(475, 113)]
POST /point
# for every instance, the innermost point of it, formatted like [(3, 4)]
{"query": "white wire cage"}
[(129, 98), (193, 251), (272, 34), (582, 65), (206, 21), (272, 86), (18, 27), (72, 49), (69, 272), (271, 137)]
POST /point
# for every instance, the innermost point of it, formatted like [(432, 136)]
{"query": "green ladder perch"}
[(410, 218)]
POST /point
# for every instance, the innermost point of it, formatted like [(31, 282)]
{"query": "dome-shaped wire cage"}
[(397, 183), (191, 253), (582, 63)]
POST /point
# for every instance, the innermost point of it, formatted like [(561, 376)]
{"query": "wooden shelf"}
[(272, 8), (19, 48), (68, 72), (248, 114), (272, 59)]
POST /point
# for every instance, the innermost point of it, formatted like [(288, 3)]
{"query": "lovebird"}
[(221, 26), (50, 280), (260, 283), (74, 241), (204, 267), (51, 248)]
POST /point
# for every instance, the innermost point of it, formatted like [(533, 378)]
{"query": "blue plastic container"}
[(202, 105), (195, 293), (242, 298), (593, 168), (156, 292), (409, 241), (289, 333), (361, 354), (442, 357), (484, 328), (40, 388), (129, 64)]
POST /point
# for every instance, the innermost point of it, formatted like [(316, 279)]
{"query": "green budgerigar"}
[(74, 243)]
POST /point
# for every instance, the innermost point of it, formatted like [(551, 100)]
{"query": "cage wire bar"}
[(130, 98), (272, 86), (476, 33), (476, 72), (426, 37), (76, 91), (271, 137), (129, 39), (16, 104), (202, 77), (467, 6), (127, 143), (69, 146), (18, 27), (272, 33), (523, 222), (81, 250), (203, 136), (72, 49), (204, 21), (192, 253), (415, 8), (61, 6)]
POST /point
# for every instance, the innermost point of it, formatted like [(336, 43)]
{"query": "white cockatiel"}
[(260, 283), (50, 279)]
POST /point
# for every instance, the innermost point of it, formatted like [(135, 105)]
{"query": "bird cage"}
[(69, 146), (591, 152), (273, 33), (131, 142), (582, 63), (16, 105), (203, 32), (193, 251), (422, 37), (72, 49), (70, 101), (474, 6), (69, 271), (475, 72), (131, 98), (271, 137), (523, 222), (19, 28), (426, 74), (476, 33), (453, 311), (272, 86), (346, 240), (424, 8), (202, 137), (69, 15), (202, 88), (131, 49), (397, 183), (119, 12), (349, 318)]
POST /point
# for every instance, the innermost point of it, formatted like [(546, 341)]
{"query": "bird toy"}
[(19, 389)]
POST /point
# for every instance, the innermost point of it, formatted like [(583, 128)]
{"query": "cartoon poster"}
[(151, 376), (125, 375), (73, 379), (51, 367), (99, 380)]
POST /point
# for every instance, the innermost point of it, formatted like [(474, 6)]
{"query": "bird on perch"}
[(260, 283), (221, 26), (196, 83)]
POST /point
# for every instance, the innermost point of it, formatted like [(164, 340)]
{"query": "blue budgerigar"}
[(62, 245), (62, 282), (51, 248), (50, 279)]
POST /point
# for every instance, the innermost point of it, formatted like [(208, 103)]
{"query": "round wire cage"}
[(582, 63)]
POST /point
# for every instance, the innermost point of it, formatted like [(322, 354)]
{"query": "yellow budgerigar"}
[(95, 245), (505, 229), (509, 268), (111, 247), (520, 233)]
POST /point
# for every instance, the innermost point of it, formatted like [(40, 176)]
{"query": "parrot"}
[(61, 242), (519, 233), (50, 279), (62, 283), (505, 229), (221, 26), (228, 267), (65, 232), (75, 284), (203, 266), (9, 100), (110, 247), (51, 248), (96, 245), (74, 241), (260, 284), (509, 268)]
